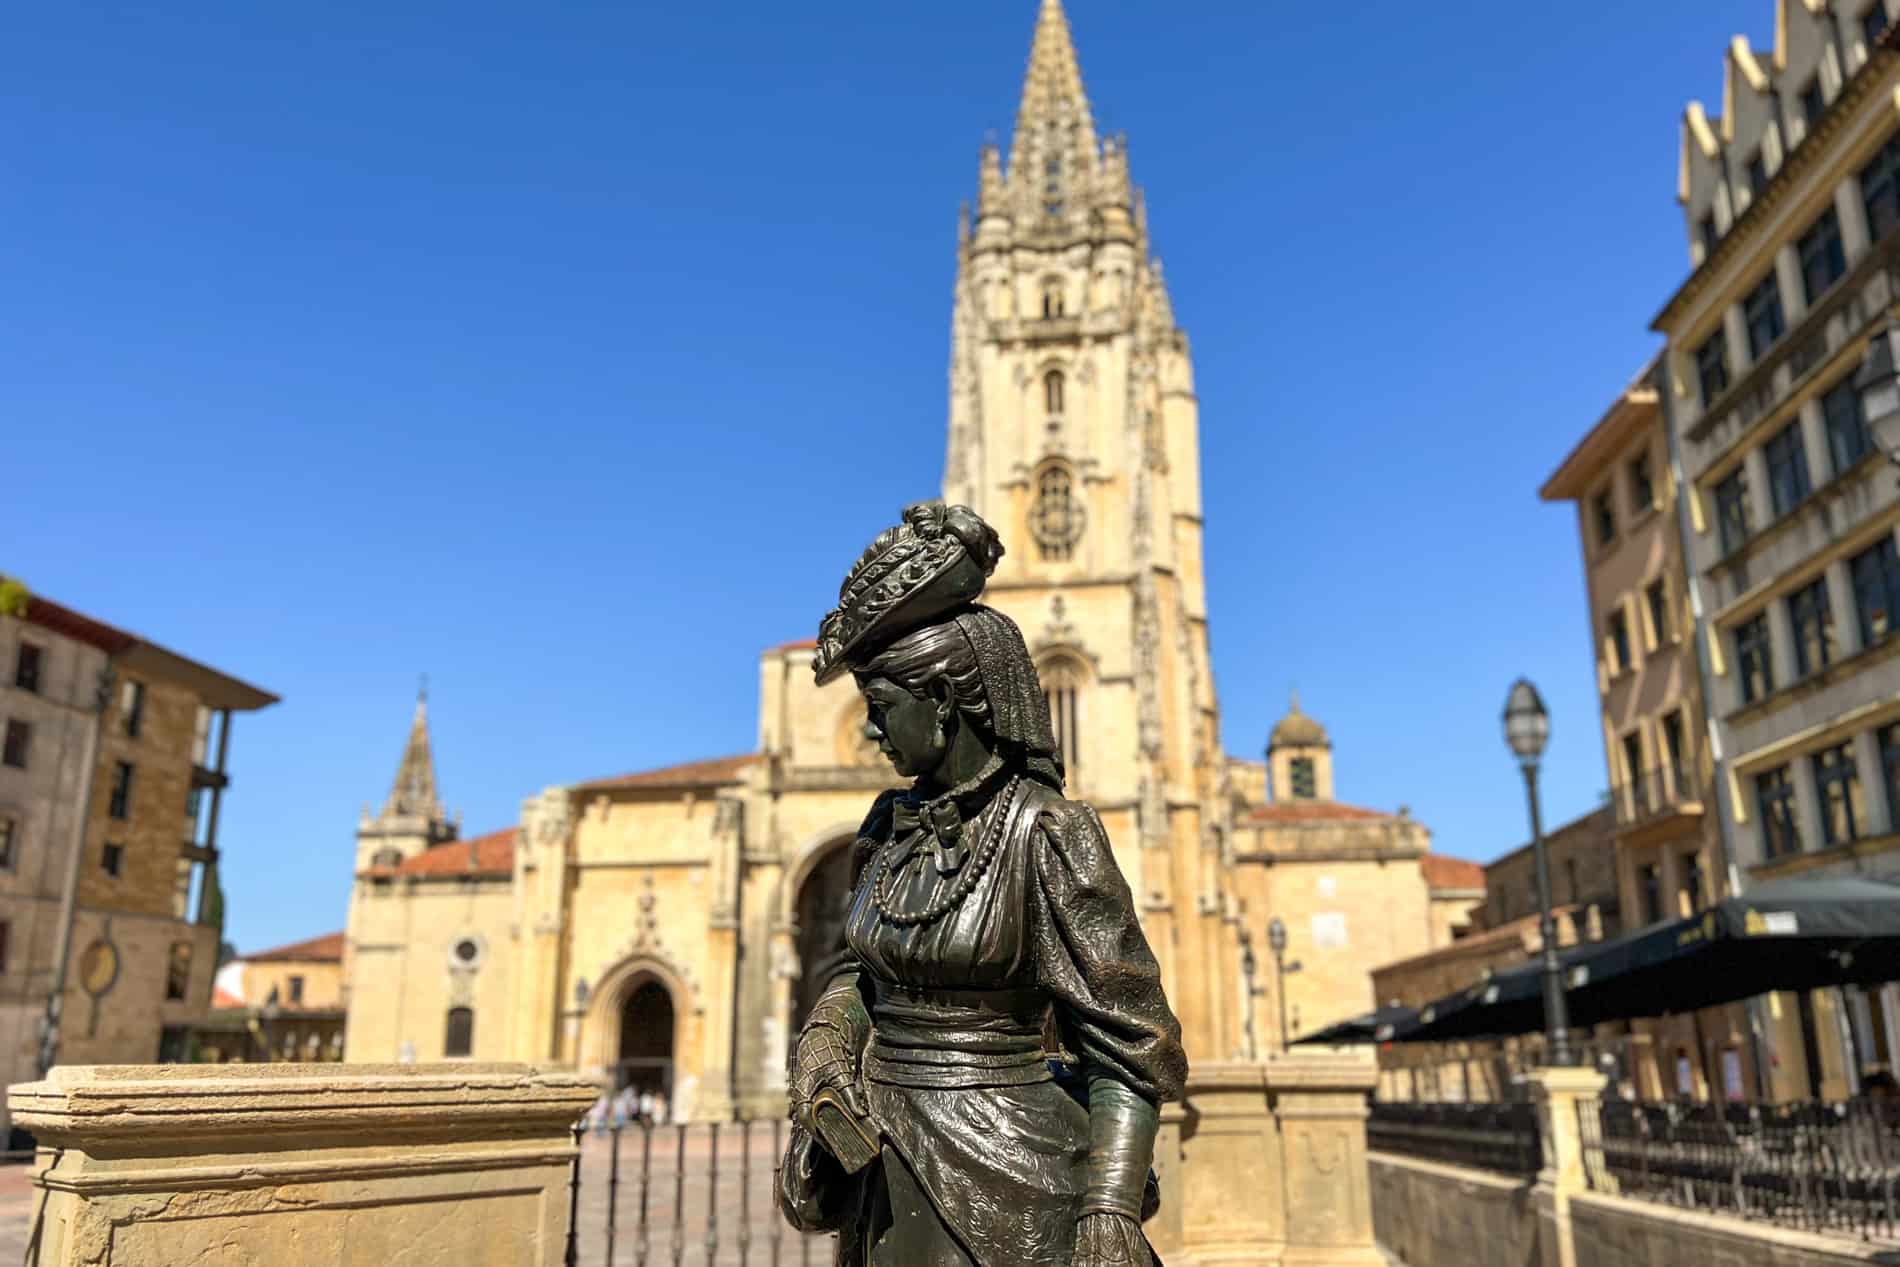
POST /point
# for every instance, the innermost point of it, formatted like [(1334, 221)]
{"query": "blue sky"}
[(568, 352)]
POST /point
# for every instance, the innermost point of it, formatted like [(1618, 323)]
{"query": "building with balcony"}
[(1790, 200), (1666, 858), (113, 772)]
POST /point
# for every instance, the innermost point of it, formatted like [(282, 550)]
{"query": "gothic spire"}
[(1053, 154), (1052, 90), (414, 790)]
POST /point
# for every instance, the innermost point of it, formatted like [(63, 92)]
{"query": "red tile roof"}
[(798, 644), (64, 620), (716, 772), (327, 948), (222, 998), (1452, 873), (487, 856), (1283, 812)]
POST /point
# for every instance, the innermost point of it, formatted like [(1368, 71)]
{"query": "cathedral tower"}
[(1074, 429), (411, 819)]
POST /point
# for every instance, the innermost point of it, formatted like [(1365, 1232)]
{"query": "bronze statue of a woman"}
[(978, 1085)]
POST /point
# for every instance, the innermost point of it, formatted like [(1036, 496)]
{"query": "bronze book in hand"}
[(847, 1135)]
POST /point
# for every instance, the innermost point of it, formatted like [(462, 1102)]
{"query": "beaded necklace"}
[(965, 883)]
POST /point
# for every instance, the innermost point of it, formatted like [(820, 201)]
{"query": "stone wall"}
[(1431, 1215)]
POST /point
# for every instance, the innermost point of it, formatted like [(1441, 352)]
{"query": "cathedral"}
[(658, 927)]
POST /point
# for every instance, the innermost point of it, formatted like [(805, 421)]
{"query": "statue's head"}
[(935, 667)]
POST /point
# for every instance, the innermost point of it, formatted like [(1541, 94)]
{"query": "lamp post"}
[(1276, 941), (1526, 729), (1248, 966)]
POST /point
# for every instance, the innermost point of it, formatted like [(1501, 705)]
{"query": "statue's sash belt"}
[(956, 1038)]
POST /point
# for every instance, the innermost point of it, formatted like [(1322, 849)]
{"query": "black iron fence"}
[(1655, 791), (1819, 1167), (1500, 1137), (682, 1195)]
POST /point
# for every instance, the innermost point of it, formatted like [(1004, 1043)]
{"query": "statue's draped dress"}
[(985, 1156)]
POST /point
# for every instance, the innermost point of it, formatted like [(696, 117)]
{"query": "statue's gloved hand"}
[(830, 1049), (1110, 1240), (824, 1059)]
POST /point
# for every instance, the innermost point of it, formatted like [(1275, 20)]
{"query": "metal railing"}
[(683, 1195), (1503, 1137), (1813, 1166), (1656, 791)]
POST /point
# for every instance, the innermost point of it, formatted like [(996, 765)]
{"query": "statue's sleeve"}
[(839, 961), (1094, 960)]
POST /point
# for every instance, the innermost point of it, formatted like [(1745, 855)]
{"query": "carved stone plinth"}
[(1270, 1168), (352, 1165)]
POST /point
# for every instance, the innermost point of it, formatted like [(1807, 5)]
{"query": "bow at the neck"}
[(937, 823)]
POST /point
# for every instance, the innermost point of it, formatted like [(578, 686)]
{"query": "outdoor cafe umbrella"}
[(1377, 1026), (1799, 934)]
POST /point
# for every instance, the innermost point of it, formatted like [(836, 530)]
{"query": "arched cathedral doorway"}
[(646, 1040), (823, 901)]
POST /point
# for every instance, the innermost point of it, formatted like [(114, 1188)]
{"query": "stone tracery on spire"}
[(413, 792)]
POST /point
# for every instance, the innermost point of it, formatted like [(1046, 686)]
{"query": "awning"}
[(1377, 1026), (1798, 934)]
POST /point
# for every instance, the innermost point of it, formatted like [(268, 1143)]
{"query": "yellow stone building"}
[(661, 924)]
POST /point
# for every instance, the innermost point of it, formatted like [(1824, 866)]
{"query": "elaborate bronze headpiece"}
[(933, 563)]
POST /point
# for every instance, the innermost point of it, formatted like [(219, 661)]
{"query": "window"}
[(1873, 23), (1837, 787), (1774, 797), (460, 1039), (1633, 762), (1762, 312), (1055, 521), (1052, 392), (1052, 300), (1656, 598), (1692, 881), (1846, 423), (1304, 780), (1733, 519), (5, 930), (121, 803), (19, 739), (1570, 877), (1673, 750), (1062, 688), (1642, 484), (1813, 104), (1880, 189), (1619, 628), (9, 842), (386, 857), (178, 971), (1813, 620), (296, 988), (112, 860), (1711, 366), (1752, 658), (1822, 258), (1889, 737), (1757, 172), (26, 669), (1787, 469), (1705, 230), (1652, 894), (132, 702), (1605, 507), (1876, 576)]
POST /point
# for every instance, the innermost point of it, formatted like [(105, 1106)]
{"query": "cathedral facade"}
[(659, 926)]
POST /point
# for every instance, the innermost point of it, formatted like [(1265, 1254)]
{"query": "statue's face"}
[(909, 727)]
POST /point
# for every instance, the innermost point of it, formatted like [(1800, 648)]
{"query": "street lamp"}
[(1878, 382), (1526, 729), (1248, 966), (1276, 941)]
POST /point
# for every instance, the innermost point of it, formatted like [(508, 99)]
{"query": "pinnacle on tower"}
[(414, 789), (1052, 89)]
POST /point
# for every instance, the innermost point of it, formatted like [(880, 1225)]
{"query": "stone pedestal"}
[(1270, 1165), (253, 1165), (1558, 1093)]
